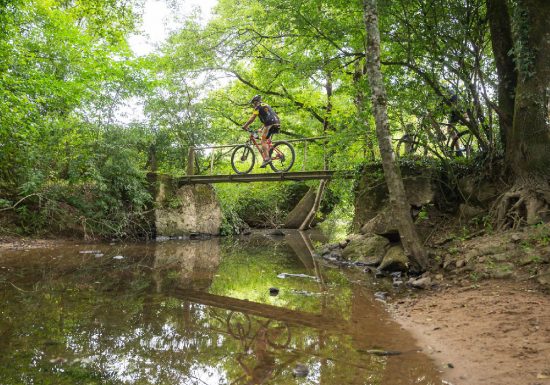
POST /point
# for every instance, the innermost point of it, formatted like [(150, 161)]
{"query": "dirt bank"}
[(21, 243), (496, 332)]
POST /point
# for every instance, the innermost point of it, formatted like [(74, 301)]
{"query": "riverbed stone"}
[(478, 191), (543, 278), (467, 211), (371, 194), (369, 249), (500, 270), (382, 224), (422, 283), (491, 248), (394, 260)]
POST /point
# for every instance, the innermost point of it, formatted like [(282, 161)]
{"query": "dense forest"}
[(71, 162)]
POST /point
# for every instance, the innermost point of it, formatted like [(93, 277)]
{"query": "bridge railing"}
[(301, 148)]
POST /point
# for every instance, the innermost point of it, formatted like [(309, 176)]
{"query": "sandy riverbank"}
[(494, 333)]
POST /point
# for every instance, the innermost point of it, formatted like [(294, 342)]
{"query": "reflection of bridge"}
[(293, 317)]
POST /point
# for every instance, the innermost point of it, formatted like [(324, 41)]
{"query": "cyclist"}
[(270, 121)]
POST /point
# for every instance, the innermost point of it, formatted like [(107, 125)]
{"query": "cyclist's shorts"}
[(269, 130)]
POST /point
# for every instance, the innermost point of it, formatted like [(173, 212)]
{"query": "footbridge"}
[(264, 177), (208, 164)]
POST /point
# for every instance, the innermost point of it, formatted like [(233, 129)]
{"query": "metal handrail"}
[(192, 150), (237, 144)]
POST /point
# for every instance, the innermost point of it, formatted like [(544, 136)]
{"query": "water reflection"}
[(195, 312)]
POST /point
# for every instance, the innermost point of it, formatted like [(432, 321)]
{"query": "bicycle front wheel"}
[(282, 156), (242, 159), (408, 146)]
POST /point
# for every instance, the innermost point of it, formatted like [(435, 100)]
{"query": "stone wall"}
[(185, 210), (372, 201)]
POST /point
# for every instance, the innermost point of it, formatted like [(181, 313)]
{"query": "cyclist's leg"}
[(265, 147), (265, 135)]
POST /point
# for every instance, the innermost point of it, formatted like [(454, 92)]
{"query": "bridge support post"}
[(305, 157), (316, 204)]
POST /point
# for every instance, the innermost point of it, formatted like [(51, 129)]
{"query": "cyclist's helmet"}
[(256, 98)]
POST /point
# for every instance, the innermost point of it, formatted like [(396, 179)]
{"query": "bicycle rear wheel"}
[(242, 159), (409, 145), (464, 145), (282, 156)]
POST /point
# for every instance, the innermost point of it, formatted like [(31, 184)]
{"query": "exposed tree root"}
[(526, 203)]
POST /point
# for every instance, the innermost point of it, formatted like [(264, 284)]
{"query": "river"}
[(255, 310)]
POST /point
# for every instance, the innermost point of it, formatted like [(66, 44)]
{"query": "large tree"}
[(528, 141)]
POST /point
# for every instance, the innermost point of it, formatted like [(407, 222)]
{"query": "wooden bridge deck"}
[(264, 177)]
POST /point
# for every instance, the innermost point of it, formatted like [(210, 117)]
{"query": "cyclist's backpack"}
[(267, 115)]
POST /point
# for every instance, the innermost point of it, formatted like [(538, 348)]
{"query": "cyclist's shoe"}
[(265, 163)]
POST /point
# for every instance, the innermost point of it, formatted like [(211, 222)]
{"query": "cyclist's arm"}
[(249, 122)]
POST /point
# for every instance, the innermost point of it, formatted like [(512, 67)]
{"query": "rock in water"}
[(300, 370), (394, 260), (422, 283), (378, 352)]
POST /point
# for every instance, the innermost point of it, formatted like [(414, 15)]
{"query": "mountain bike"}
[(243, 158), (453, 144)]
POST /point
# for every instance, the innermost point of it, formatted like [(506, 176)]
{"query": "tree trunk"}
[(528, 143), (326, 121), (501, 39), (151, 164), (359, 72), (398, 199), (528, 147)]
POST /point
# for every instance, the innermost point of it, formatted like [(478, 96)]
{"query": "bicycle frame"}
[(278, 153)]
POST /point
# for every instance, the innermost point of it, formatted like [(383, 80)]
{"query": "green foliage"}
[(66, 69), (539, 235), (61, 157), (258, 204)]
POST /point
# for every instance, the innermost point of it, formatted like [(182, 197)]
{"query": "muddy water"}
[(195, 312)]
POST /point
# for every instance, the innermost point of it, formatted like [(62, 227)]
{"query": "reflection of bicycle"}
[(239, 325), (259, 341), (281, 153), (453, 144)]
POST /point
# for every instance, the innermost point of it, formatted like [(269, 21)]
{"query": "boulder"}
[(394, 260), (543, 278), (421, 283), (371, 195), (382, 224), (467, 211), (478, 191), (369, 249), (297, 216)]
